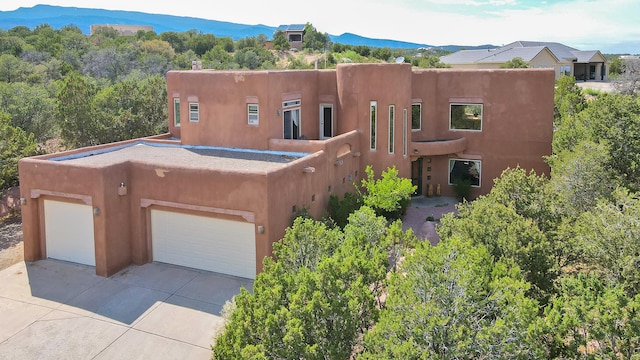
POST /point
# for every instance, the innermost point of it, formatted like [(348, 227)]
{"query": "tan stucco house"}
[(246, 150), (294, 34), (565, 60)]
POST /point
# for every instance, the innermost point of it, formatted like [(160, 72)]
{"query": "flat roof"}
[(204, 157)]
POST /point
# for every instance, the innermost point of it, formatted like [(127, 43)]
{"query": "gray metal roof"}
[(291, 27), (500, 55), (526, 50)]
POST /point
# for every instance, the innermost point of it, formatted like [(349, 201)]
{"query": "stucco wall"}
[(517, 124), (516, 130)]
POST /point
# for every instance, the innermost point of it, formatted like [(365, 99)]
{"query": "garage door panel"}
[(69, 232), (203, 242)]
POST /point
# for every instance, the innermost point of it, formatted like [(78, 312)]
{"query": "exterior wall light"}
[(260, 229), (23, 201), (122, 189), (339, 162), (309, 169), (96, 211)]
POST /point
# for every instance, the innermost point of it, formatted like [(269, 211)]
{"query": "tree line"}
[(542, 267)]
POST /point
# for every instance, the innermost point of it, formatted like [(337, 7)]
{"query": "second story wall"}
[(244, 109)]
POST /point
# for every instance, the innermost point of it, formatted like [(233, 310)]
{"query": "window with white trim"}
[(465, 117), (194, 112), (392, 121), (465, 170), (253, 117), (176, 112), (373, 113), (416, 116)]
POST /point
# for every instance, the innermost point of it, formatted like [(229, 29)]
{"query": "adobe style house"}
[(583, 65), (294, 34), (246, 150)]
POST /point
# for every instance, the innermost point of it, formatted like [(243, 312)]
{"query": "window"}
[(372, 125), (416, 116), (404, 132), (465, 170), (176, 111), (466, 117), (252, 113), (295, 37), (326, 121), (291, 119), (194, 112), (392, 120)]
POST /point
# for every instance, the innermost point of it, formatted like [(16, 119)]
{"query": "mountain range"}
[(59, 16)]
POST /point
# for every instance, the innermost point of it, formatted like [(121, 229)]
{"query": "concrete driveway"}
[(57, 310)]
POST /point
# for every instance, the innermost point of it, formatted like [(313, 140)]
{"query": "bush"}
[(339, 210), (462, 188)]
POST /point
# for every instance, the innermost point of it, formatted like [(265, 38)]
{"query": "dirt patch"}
[(11, 244)]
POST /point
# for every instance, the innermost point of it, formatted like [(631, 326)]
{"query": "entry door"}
[(416, 176), (326, 121), (291, 118)]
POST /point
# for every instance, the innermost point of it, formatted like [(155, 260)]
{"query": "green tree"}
[(75, 113), (581, 177), (314, 40), (390, 195), (12, 69), (280, 41), (14, 145), (452, 301), (591, 320), (609, 235), (316, 299), (31, 108), (508, 237), (217, 58), (515, 63), (568, 99), (131, 109)]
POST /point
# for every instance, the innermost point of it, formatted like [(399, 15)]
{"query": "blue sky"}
[(611, 26)]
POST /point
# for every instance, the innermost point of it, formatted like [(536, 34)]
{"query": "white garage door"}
[(69, 232), (206, 243)]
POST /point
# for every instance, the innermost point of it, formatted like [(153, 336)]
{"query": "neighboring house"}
[(123, 30), (294, 34), (565, 60), (247, 150)]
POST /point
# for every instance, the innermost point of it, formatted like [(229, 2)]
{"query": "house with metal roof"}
[(583, 65), (294, 34)]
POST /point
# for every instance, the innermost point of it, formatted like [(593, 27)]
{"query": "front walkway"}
[(431, 208)]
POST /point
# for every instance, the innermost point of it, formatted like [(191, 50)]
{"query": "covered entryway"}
[(69, 232), (203, 242)]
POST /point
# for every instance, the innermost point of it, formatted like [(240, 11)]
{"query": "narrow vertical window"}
[(404, 132), (416, 116), (194, 112), (176, 111), (372, 125), (253, 114), (392, 120)]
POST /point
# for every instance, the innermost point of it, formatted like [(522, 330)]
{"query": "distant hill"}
[(59, 16)]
